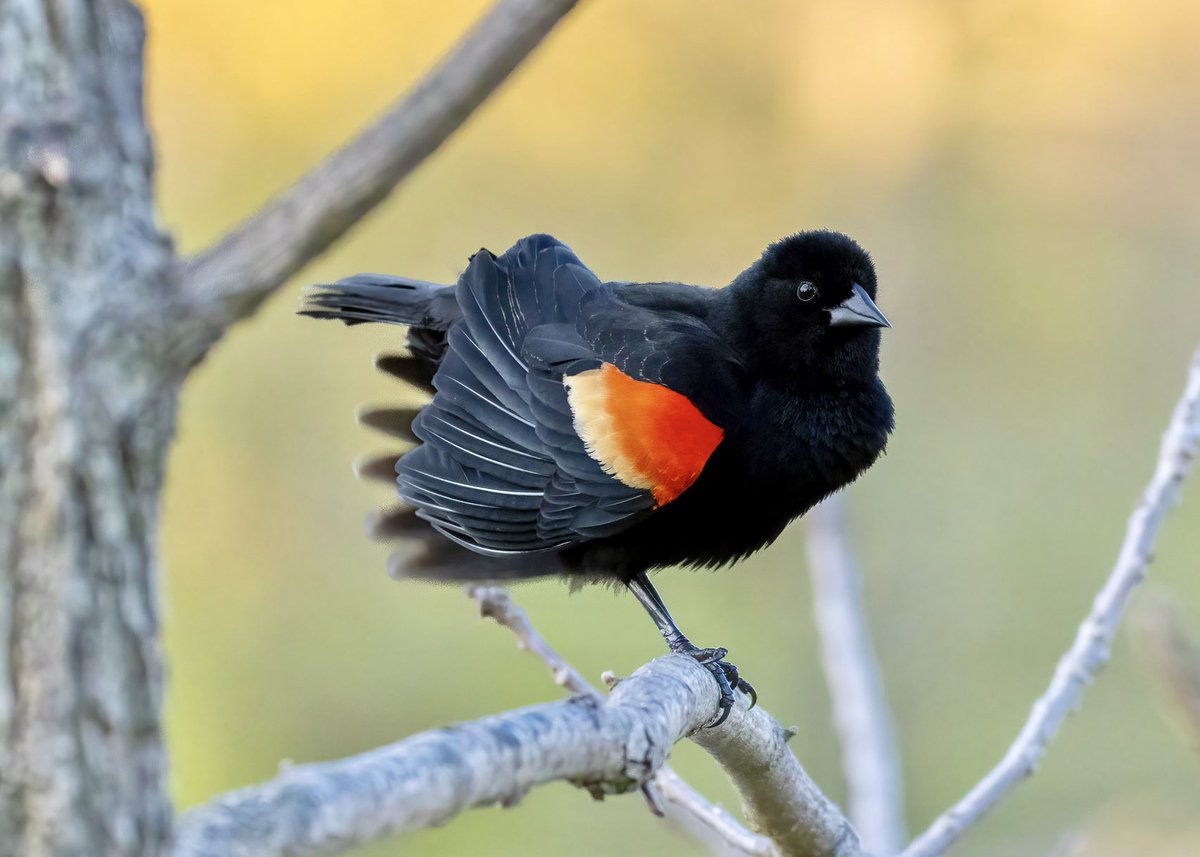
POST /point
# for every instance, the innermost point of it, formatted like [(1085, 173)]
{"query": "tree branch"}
[(609, 747), (778, 798), (683, 804), (1090, 651), (228, 281), (861, 715)]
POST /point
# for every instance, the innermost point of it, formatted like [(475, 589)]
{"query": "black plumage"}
[(602, 430)]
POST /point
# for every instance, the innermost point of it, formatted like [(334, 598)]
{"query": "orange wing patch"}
[(644, 434)]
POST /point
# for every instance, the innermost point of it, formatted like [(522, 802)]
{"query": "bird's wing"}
[(561, 414)]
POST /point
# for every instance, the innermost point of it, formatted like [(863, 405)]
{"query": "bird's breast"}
[(816, 441)]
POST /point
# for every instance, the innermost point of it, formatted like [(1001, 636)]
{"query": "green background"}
[(1026, 177)]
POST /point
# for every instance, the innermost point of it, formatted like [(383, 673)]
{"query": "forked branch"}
[(228, 281), (683, 804), (619, 743)]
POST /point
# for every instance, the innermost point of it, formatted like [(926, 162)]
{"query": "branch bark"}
[(230, 280), (779, 799), (86, 417), (719, 830), (870, 756), (608, 746), (1090, 651)]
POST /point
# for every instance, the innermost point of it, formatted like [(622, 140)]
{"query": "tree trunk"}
[(87, 409)]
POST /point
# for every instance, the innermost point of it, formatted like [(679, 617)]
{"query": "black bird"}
[(604, 429)]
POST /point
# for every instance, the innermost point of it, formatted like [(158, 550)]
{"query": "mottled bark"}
[(94, 341), (85, 420), (608, 746)]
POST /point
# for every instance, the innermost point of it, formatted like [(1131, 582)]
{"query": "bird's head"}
[(806, 310)]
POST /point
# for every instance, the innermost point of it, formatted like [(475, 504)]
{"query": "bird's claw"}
[(726, 676)]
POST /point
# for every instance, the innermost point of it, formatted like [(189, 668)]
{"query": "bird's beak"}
[(858, 310)]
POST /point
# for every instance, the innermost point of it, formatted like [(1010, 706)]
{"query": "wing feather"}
[(505, 467)]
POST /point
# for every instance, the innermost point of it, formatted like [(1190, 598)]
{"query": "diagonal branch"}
[(687, 807), (870, 757), (607, 746), (1090, 651), (778, 797), (228, 281)]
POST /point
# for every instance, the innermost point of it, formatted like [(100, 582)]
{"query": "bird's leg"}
[(726, 674)]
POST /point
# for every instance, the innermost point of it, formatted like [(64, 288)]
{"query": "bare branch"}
[(495, 603), (1090, 651), (427, 779), (778, 797), (607, 746), (228, 281), (870, 756), (719, 830), (707, 821)]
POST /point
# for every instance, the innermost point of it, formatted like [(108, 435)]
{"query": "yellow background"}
[(1025, 174)]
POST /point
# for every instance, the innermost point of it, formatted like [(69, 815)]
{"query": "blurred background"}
[(1025, 174)]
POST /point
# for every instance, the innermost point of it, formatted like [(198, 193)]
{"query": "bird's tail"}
[(383, 298)]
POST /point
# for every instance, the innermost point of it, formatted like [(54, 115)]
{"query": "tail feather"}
[(396, 422), (383, 298), (378, 468), (434, 558), (429, 311), (413, 369)]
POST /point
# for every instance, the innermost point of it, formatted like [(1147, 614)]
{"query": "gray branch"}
[(618, 744), (608, 746), (682, 804), (870, 756), (1090, 651), (228, 281), (779, 799)]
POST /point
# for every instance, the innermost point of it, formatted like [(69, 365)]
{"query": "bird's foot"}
[(725, 674)]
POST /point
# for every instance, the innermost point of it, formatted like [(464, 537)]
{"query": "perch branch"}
[(1090, 651), (609, 746), (870, 757), (778, 797), (686, 807), (228, 281)]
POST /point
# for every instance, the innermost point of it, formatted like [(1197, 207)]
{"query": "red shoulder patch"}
[(644, 434)]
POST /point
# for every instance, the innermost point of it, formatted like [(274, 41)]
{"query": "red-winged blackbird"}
[(602, 430)]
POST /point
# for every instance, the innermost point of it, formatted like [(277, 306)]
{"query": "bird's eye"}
[(806, 291)]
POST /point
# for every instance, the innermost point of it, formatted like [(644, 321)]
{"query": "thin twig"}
[(1090, 651), (692, 810), (870, 756), (228, 281), (495, 603)]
